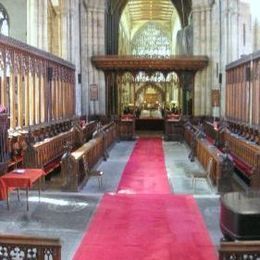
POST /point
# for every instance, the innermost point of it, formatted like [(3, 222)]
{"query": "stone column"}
[(84, 54), (209, 54), (37, 33), (256, 34), (76, 39), (197, 50), (101, 51), (93, 33)]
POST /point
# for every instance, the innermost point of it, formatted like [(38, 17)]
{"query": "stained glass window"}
[(4, 21), (151, 40)]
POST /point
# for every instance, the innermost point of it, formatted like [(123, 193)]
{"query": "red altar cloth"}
[(19, 178)]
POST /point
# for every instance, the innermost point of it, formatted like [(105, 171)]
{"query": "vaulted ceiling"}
[(145, 10), (142, 11)]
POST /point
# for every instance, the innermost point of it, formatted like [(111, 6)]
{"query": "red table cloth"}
[(19, 178)]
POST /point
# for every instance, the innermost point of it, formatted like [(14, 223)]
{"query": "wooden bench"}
[(88, 130), (127, 128), (174, 129), (35, 247), (189, 131), (47, 154), (110, 134), (246, 156), (75, 166), (84, 134), (204, 151)]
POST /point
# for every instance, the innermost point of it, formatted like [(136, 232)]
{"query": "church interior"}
[(129, 129)]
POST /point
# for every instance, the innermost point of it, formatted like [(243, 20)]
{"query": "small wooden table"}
[(22, 179)]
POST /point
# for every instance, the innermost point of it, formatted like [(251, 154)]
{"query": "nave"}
[(50, 216)]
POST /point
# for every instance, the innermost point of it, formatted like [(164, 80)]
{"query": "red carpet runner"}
[(145, 171), (146, 226)]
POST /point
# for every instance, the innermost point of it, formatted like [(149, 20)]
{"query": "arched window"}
[(151, 40), (4, 21)]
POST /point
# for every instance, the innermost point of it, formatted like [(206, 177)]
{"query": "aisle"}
[(143, 220), (145, 171)]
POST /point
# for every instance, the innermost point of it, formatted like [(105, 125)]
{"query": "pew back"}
[(42, 153), (36, 248)]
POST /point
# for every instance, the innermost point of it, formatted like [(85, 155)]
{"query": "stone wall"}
[(92, 43), (222, 31), (17, 12)]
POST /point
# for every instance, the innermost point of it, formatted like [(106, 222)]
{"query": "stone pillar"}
[(76, 39), (256, 34), (84, 54), (197, 50), (209, 85), (93, 31), (37, 33)]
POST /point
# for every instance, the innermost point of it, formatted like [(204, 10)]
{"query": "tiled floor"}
[(66, 215)]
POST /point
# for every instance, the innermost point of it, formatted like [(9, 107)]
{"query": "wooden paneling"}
[(246, 157), (35, 85), (131, 63), (230, 250), (243, 91), (205, 151), (75, 166)]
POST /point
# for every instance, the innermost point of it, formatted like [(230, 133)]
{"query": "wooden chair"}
[(90, 173), (203, 175)]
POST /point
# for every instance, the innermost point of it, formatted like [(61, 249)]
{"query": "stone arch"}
[(114, 9)]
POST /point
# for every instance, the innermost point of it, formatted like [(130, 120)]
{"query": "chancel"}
[(129, 129)]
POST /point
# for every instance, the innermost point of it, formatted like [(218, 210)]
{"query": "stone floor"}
[(67, 215)]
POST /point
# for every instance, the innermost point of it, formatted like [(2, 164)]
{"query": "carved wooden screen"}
[(36, 87), (243, 91), (256, 92)]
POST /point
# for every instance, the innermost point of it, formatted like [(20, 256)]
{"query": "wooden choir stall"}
[(243, 139), (243, 116)]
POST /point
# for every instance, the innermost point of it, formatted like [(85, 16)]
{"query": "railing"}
[(239, 250), (21, 247)]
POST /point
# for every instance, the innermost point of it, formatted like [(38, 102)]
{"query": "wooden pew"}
[(189, 131), (40, 248), (110, 134), (88, 130), (47, 154), (75, 166), (84, 133), (246, 157), (126, 128), (205, 150), (239, 250), (174, 130)]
